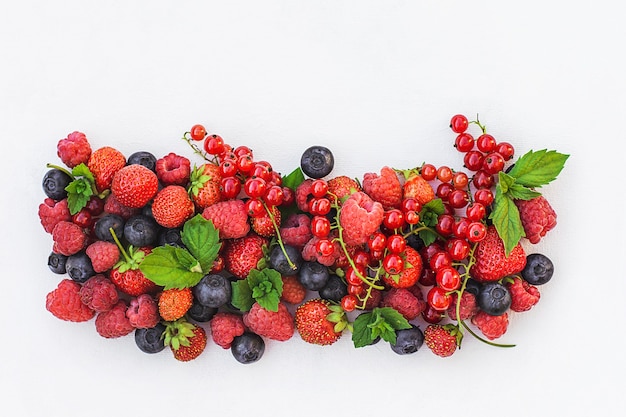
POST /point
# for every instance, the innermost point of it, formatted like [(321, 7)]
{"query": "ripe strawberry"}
[(313, 325), (384, 188), (442, 340), (134, 185), (103, 164), (418, 188), (263, 225), (174, 303), (242, 255), (185, 340), (204, 187), (342, 187), (410, 274), (491, 262), (172, 206), (126, 274)]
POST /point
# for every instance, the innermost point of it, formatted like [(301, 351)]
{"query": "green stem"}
[(278, 237), (65, 171)]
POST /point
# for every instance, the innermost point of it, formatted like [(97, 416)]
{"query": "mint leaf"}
[(266, 286), (394, 318), (81, 170), (380, 322), (171, 267), (80, 189), (519, 192), (241, 296), (538, 168), (361, 332), (202, 240), (293, 179), (431, 211), (506, 219)]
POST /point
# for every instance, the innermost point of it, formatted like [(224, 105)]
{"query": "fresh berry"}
[(64, 302), (418, 188), (199, 313), (537, 216), (134, 185), (205, 185), (247, 348), (523, 295), (103, 255), (293, 291), (144, 158), (104, 224), (491, 326), (296, 230), (404, 302), (317, 161), (441, 340), (341, 187), (173, 169), (334, 290), (126, 274), (229, 218), (492, 263), (538, 270), (408, 341), (141, 230), (313, 325), (103, 164), (174, 303), (54, 183), (68, 238), (150, 340), (56, 263), (74, 149), (242, 255), (494, 298), (113, 206), (411, 272), (384, 188), (213, 290), (327, 257), (275, 325), (360, 216), (79, 267), (172, 206), (186, 341), (313, 275), (170, 236), (99, 293), (113, 323), (467, 308), (264, 225), (225, 327), (52, 212), (143, 312)]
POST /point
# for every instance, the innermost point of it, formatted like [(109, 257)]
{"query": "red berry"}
[(410, 204), (483, 196), (288, 196), (443, 190), (396, 243), (393, 219), (197, 132), (242, 150), (214, 145), (412, 217), (228, 168), (428, 172), (445, 224), (444, 173), (349, 302), (319, 188), (493, 163), (254, 208), (325, 247), (460, 227), (475, 211), (438, 299), (448, 279), (274, 196), (320, 226), (245, 164), (459, 123), (430, 315), (362, 258), (319, 206), (458, 249), (439, 260), (230, 187), (464, 142), (458, 198), (473, 160), (255, 187), (482, 179), (393, 264), (485, 143), (476, 231), (460, 180), (352, 275), (505, 149), (377, 241)]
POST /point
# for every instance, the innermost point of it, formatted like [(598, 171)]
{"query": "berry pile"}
[(230, 250)]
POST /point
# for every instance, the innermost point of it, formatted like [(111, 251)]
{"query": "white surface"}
[(375, 81)]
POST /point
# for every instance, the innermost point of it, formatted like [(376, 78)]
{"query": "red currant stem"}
[(477, 122), (413, 231), (196, 149), (484, 340), (278, 237)]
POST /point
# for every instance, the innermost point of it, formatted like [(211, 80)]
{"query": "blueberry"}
[(143, 158), (317, 161), (494, 298), (79, 267), (150, 340), (170, 237), (279, 262), (335, 289), (54, 183), (247, 348), (408, 340), (56, 262), (200, 313), (473, 286), (212, 291), (140, 230), (147, 210), (104, 223), (538, 270), (313, 275), (415, 242)]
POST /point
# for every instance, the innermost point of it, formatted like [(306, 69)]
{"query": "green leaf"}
[(81, 170), (241, 296), (538, 168), (293, 179), (506, 181), (202, 240), (76, 201), (266, 287), (171, 267), (431, 211), (506, 219), (519, 192), (381, 322), (361, 332), (394, 318), (80, 189)]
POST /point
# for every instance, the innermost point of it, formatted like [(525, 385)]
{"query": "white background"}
[(375, 81)]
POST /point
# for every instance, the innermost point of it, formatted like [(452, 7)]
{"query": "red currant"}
[(377, 241), (444, 173), (255, 187), (197, 132), (506, 150), (320, 226), (274, 195), (440, 260), (432, 316), (428, 172), (362, 258), (393, 219), (443, 190), (214, 145), (349, 302), (83, 219), (473, 160), (438, 299), (458, 198), (412, 217), (95, 205), (245, 164), (393, 263), (486, 143), (356, 290), (459, 123), (230, 187), (254, 208), (475, 211), (243, 150), (460, 227), (396, 243), (448, 279), (483, 196), (410, 204), (460, 180), (228, 168), (493, 163), (476, 231), (458, 248), (482, 179), (325, 247), (319, 188), (445, 224), (352, 275), (427, 278), (319, 206), (464, 142)]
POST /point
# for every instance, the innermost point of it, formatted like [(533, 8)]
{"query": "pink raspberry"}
[(523, 295), (404, 302), (229, 217), (491, 326), (310, 253), (113, 206), (303, 195), (114, 323), (143, 312), (104, 255), (467, 309), (173, 169), (225, 327), (384, 188), (64, 302), (277, 325), (74, 149), (360, 216), (296, 230), (68, 238), (51, 213), (537, 216), (99, 293)]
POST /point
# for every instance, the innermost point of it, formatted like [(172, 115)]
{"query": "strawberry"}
[(263, 224), (418, 188), (242, 255), (342, 187), (410, 274), (185, 340), (442, 340), (174, 303), (492, 264), (204, 187), (126, 274), (312, 322), (134, 185), (172, 206), (103, 164)]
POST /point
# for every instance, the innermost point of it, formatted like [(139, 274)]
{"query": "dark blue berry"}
[(213, 290), (104, 223), (538, 270), (141, 230), (494, 298), (150, 340), (143, 158), (473, 286), (57, 262), (170, 237), (313, 275), (54, 183), (79, 267), (335, 289), (317, 161), (279, 261), (247, 348), (408, 340), (200, 313)]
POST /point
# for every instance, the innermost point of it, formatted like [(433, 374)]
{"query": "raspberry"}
[(467, 309), (99, 293), (277, 325), (173, 169), (293, 290), (404, 302), (523, 295), (296, 230), (360, 216), (384, 188), (68, 238), (143, 312), (51, 213), (537, 216), (303, 195), (225, 327), (64, 302), (104, 255), (113, 206), (74, 149), (491, 326), (229, 217), (114, 323), (310, 253)]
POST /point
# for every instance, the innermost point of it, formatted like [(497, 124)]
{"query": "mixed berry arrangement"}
[(219, 248)]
